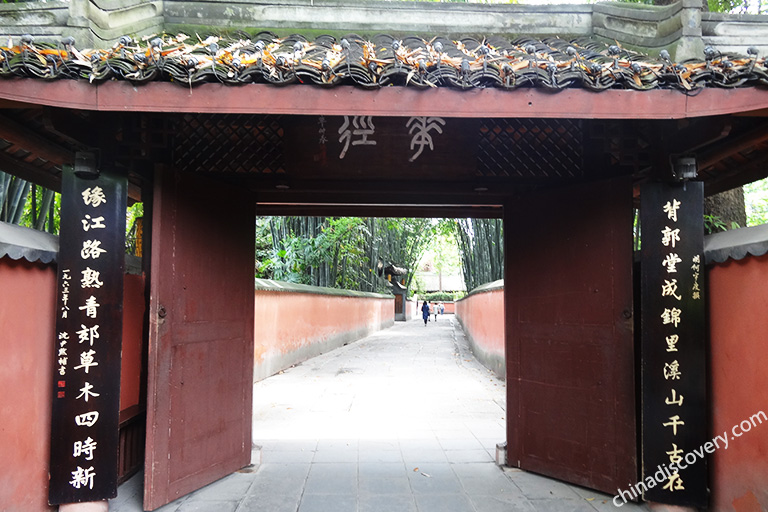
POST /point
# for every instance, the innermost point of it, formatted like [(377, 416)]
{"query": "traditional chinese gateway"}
[(561, 137)]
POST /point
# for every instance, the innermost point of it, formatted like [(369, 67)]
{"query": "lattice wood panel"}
[(622, 144), (230, 143), (531, 148)]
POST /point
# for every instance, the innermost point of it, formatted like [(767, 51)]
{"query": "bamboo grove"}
[(26, 204), (348, 252), (353, 252), (481, 246)]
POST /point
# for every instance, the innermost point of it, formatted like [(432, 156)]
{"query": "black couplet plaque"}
[(674, 418), (88, 338)]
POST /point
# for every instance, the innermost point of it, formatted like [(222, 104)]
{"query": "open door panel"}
[(569, 335), (201, 335)]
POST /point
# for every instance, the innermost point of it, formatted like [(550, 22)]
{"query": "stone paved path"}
[(402, 421)]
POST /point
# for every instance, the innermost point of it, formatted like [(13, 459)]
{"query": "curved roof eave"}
[(118, 96)]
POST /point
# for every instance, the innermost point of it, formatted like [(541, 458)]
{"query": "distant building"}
[(434, 282)]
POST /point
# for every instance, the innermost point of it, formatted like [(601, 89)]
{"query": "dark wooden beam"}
[(74, 129), (732, 146), (4, 104), (47, 178), (385, 193), (41, 147), (352, 210), (698, 133), (29, 172), (739, 176)]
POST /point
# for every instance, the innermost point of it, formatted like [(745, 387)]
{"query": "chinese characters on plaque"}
[(358, 129), (674, 420), (408, 143), (86, 395)]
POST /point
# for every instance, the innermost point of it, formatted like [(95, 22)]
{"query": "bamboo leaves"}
[(26, 204), (342, 252), (481, 246)]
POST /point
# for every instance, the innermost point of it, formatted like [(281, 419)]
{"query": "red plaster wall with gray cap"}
[(27, 334), (481, 314), (295, 322), (738, 323), (27, 302)]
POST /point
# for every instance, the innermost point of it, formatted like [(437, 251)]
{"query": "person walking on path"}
[(425, 312)]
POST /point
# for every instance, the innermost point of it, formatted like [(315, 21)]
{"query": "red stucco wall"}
[(27, 331), (133, 326), (291, 327), (482, 317), (27, 303), (738, 319)]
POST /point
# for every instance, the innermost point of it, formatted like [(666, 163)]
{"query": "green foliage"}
[(730, 6), (442, 248), (346, 252), (481, 245), (437, 297), (26, 204), (263, 248), (42, 210), (417, 287), (756, 202), (132, 215), (636, 229), (713, 224), (738, 6)]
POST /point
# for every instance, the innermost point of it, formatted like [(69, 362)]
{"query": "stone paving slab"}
[(405, 420)]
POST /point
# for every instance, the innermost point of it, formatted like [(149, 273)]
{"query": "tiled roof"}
[(551, 63)]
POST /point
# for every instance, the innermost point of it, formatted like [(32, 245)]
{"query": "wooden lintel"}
[(23, 137), (352, 210), (381, 194)]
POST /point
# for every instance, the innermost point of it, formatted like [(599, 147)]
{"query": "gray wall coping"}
[(269, 285), (18, 242), (484, 288)]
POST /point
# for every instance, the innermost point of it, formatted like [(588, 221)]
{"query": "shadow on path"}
[(405, 420)]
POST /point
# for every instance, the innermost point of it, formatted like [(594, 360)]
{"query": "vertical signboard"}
[(674, 415), (89, 314)]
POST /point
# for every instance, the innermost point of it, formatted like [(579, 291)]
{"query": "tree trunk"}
[(728, 206)]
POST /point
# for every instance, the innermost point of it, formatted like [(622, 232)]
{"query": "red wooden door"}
[(570, 349), (201, 336)]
